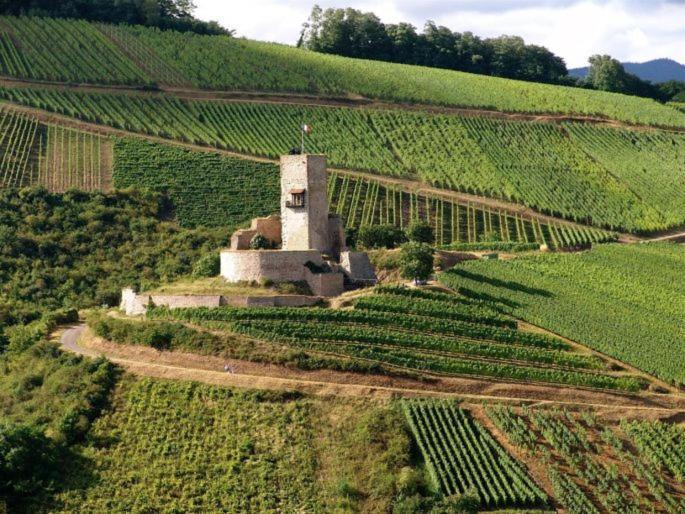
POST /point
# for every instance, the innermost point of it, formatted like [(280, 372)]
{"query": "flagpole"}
[(302, 135)]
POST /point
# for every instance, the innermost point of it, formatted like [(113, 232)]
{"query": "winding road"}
[(148, 362)]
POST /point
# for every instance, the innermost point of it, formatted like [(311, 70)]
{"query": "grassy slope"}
[(610, 298), (180, 446), (220, 62)]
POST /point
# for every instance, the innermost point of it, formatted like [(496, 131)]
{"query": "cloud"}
[(630, 30)]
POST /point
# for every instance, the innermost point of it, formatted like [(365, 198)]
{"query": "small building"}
[(308, 241)]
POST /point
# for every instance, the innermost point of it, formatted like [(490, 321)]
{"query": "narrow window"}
[(296, 198)]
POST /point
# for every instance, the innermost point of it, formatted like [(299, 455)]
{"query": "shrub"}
[(29, 464), (416, 261), (420, 232), (259, 242), (207, 265), (380, 236)]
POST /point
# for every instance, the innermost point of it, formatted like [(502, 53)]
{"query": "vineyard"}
[(594, 468), (461, 456), (185, 447), (416, 330), (212, 190), (610, 178), (363, 201), (63, 51), (76, 51), (206, 189), (610, 299), (32, 153)]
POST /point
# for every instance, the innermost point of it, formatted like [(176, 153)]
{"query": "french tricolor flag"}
[(307, 129)]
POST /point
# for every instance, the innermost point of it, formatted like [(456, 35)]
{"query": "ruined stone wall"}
[(325, 284), (358, 267), (275, 265)]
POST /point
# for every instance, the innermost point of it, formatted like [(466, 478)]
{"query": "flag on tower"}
[(307, 129)]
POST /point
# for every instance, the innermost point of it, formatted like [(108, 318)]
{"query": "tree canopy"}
[(165, 14), (352, 33), (608, 74)]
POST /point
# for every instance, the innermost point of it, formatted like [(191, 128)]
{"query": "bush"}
[(416, 261), (420, 232), (29, 464), (380, 236), (207, 266), (259, 242)]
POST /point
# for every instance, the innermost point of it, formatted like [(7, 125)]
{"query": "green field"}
[(596, 467), (625, 301), (417, 331), (64, 51), (366, 201), (179, 446), (174, 446), (462, 456), (138, 55), (610, 178)]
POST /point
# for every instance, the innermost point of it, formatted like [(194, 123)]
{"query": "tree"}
[(380, 236), (29, 464), (420, 232), (207, 266), (352, 33), (165, 14), (607, 74), (416, 261), (673, 90)]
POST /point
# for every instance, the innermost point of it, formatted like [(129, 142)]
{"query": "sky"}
[(629, 30)]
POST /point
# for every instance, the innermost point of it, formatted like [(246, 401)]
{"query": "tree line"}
[(352, 33), (164, 14)]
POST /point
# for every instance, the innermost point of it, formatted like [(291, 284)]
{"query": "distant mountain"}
[(658, 70)]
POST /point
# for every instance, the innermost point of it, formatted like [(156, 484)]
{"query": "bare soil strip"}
[(186, 366)]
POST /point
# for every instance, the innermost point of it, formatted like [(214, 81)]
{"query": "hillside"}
[(655, 71), (78, 52), (536, 369), (601, 171), (609, 299), (616, 178)]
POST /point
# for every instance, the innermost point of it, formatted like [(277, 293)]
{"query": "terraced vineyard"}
[(58, 158), (533, 163), (363, 201), (594, 468), (610, 299), (417, 330), (461, 456), (76, 51)]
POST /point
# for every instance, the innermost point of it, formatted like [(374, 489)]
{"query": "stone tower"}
[(304, 206)]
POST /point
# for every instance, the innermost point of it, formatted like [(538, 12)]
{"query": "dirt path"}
[(677, 237), (208, 369)]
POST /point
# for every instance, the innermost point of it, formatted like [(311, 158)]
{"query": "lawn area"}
[(627, 301)]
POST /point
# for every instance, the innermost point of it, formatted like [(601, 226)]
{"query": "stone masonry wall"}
[(306, 227), (275, 265)]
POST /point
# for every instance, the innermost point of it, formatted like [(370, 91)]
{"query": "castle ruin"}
[(310, 240)]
